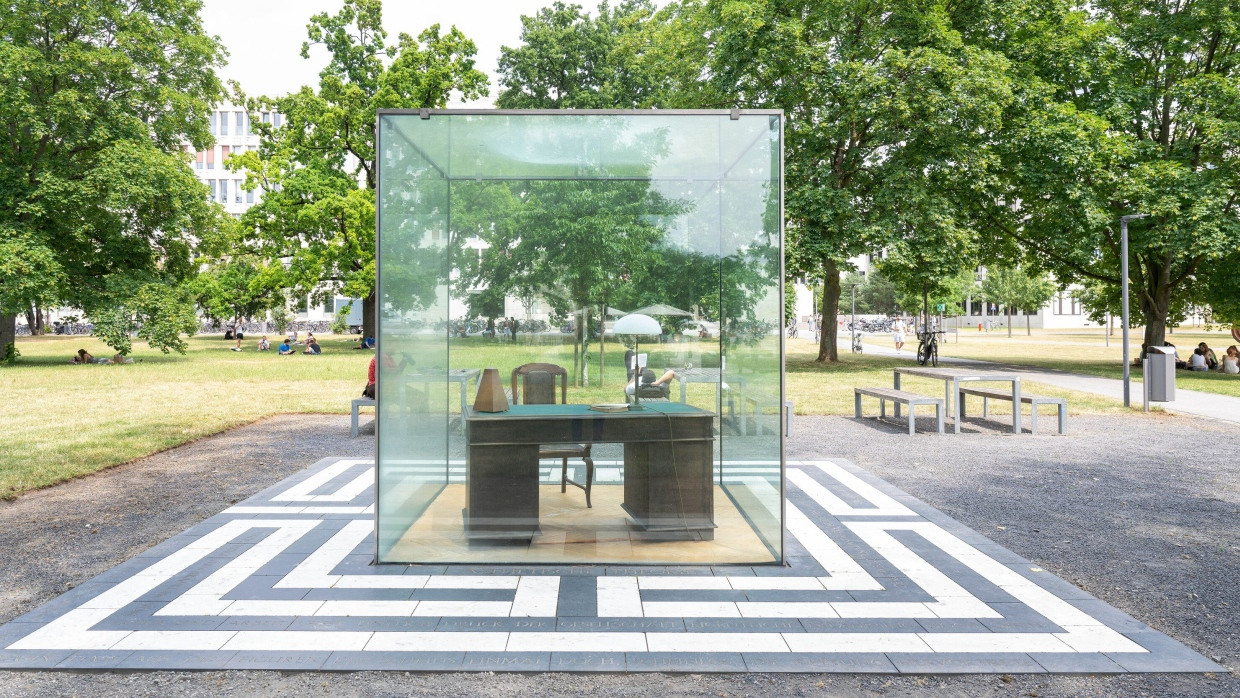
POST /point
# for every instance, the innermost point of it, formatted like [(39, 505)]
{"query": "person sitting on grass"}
[(1197, 362), (1231, 361), (82, 357), (1211, 358), (285, 349), (312, 346), (366, 343), (263, 344)]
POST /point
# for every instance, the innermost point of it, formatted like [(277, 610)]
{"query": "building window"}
[(240, 130), (223, 123), (223, 191), (266, 117), (211, 183), (211, 159), (223, 153), (213, 127), (198, 161), (236, 191), (275, 119), (249, 196)]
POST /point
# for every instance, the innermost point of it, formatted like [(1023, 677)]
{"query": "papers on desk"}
[(610, 407)]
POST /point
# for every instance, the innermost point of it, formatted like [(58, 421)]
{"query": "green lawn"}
[(1082, 351), (64, 421)]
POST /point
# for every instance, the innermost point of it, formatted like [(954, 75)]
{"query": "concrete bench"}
[(358, 403), (901, 397), (988, 394)]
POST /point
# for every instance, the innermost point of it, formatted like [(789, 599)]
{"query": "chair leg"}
[(589, 479), (563, 475), (1063, 418), (961, 408), (912, 419), (882, 408), (1033, 425), (858, 401), (985, 408), (938, 414)]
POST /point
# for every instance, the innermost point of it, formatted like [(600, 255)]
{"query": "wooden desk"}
[(668, 465)]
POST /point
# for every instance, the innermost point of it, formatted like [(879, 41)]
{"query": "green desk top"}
[(583, 411)]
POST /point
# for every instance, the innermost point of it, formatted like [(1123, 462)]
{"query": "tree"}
[(239, 288), (95, 196), (150, 311), (1127, 106), (318, 170), (886, 107), (1015, 288)]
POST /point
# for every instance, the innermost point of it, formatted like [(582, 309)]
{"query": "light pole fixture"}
[(852, 334), (637, 324), (1123, 273)]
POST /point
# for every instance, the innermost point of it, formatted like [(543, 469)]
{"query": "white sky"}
[(264, 37)]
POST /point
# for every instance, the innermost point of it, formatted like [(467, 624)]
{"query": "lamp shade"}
[(636, 323)]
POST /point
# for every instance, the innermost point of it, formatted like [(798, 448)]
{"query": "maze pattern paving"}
[(877, 582)]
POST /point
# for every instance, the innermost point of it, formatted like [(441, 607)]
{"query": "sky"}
[(264, 37)]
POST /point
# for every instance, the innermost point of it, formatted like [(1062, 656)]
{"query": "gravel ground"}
[(1105, 507)]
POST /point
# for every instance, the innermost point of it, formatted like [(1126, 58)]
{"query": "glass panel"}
[(559, 252)]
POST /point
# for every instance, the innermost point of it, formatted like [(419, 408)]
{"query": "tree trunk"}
[(828, 347), (1008, 312), (1028, 325), (31, 321), (369, 318), (1156, 305), (8, 332)]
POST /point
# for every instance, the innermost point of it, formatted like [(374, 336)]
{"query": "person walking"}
[(898, 329)]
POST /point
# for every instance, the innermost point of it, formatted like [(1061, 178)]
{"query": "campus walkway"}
[(1194, 402)]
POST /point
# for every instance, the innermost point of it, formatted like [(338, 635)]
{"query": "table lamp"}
[(637, 325)]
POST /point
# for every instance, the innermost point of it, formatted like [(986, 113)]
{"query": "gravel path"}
[(1105, 507)]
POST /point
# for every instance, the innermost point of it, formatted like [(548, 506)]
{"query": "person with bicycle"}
[(898, 329)]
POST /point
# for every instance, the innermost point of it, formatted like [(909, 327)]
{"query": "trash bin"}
[(1160, 374)]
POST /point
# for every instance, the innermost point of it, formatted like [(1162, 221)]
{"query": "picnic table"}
[(953, 377)]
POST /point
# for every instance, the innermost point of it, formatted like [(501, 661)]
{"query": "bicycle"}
[(856, 343), (928, 348), (792, 330)]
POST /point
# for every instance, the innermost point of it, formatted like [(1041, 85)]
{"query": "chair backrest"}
[(538, 390)]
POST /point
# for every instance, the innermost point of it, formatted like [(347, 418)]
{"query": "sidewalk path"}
[(1194, 402)]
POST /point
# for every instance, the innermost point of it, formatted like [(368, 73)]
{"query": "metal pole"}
[(1145, 381), (1123, 303), (853, 325), (1123, 272)]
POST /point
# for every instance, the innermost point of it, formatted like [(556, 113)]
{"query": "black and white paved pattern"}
[(877, 582)]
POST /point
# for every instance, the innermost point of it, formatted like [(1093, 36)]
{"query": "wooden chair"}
[(538, 388)]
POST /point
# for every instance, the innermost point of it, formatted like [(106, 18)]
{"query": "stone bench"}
[(359, 403), (901, 397), (988, 394)]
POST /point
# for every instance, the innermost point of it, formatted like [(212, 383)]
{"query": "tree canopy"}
[(97, 201), (317, 170)]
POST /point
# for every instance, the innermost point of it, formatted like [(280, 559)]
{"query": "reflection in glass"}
[(515, 241)]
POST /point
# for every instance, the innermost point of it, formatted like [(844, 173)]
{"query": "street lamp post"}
[(853, 324), (1123, 273)]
